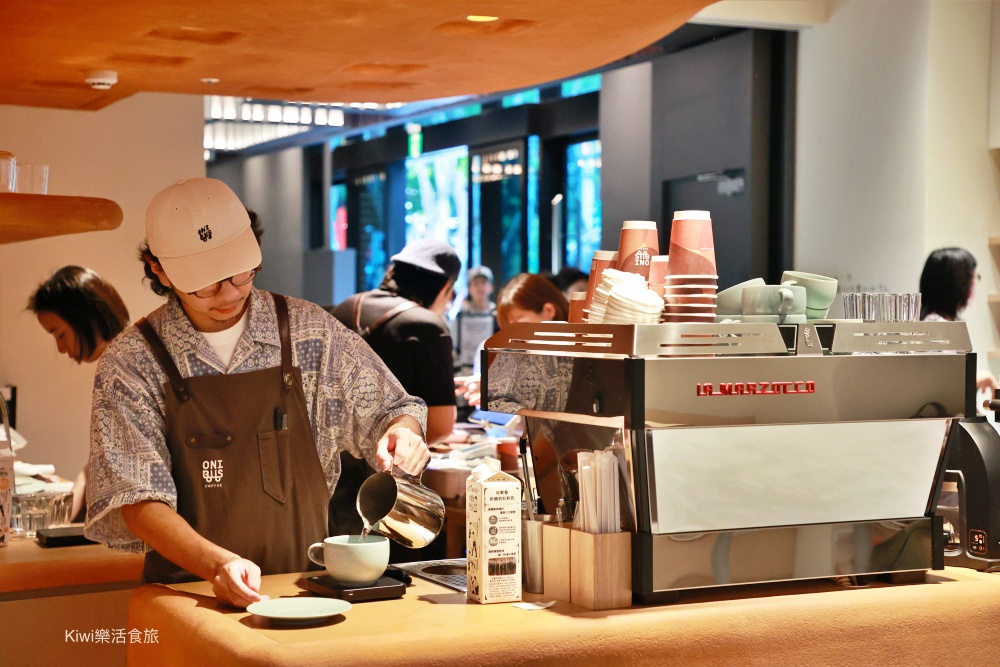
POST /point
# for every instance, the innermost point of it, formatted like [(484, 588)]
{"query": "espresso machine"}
[(761, 452)]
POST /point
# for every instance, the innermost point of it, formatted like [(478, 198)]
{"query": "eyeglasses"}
[(238, 280)]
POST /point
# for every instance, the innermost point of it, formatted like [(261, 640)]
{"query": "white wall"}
[(860, 157), (962, 197), (126, 152), (892, 157)]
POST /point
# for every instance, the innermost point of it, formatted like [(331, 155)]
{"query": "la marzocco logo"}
[(757, 388)]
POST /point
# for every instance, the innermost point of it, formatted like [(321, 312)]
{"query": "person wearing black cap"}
[(403, 323)]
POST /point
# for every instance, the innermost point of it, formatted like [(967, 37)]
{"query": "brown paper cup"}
[(638, 243), (576, 301), (658, 269), (685, 261), (603, 259)]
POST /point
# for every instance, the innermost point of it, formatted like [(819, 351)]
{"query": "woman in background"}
[(530, 297), (84, 313), (947, 285)]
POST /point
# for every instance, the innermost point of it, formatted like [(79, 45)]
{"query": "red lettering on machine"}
[(756, 388)]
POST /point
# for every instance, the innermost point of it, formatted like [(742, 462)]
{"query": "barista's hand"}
[(403, 447), (237, 583), (986, 381), (467, 386)]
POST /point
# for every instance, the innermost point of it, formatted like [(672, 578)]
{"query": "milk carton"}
[(493, 534)]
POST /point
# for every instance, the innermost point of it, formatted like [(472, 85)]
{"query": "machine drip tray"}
[(449, 573)]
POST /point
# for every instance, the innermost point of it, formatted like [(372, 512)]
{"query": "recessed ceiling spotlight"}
[(209, 80), (482, 19), (102, 79)]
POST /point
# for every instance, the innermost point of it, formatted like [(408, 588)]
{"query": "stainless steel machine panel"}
[(808, 389), (730, 478), (788, 553)]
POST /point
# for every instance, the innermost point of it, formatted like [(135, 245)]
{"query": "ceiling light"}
[(102, 79), (482, 19), (208, 80)]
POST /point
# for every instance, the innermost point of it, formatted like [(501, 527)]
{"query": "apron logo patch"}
[(211, 472)]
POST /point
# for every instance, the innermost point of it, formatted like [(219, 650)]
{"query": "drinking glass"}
[(8, 171), (882, 306), (32, 179), (34, 512)]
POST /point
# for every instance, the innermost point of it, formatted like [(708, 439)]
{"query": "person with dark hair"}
[(530, 297), (218, 418), (571, 279), (403, 322), (84, 313), (947, 285)]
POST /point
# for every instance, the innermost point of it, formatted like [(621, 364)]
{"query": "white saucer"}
[(299, 610), (28, 485), (830, 321)]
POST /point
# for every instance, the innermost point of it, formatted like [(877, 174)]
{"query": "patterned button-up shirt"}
[(350, 395)]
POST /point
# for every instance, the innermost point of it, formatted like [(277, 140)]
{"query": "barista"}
[(218, 418)]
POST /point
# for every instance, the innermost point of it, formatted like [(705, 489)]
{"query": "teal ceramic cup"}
[(820, 290), (780, 300), (730, 301)]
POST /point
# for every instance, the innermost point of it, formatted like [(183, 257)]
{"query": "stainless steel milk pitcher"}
[(404, 511)]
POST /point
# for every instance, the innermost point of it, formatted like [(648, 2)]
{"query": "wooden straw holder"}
[(600, 569)]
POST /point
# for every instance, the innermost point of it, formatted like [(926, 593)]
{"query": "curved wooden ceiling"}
[(315, 50)]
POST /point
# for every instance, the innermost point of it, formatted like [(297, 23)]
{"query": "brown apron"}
[(244, 459)]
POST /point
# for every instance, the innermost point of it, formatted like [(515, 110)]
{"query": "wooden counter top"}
[(27, 566), (949, 620)]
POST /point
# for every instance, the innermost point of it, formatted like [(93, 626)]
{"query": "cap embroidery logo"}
[(211, 472), (205, 233)]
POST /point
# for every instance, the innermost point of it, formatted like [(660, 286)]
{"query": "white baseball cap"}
[(200, 232)]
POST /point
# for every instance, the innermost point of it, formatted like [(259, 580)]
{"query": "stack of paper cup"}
[(692, 245), (658, 268), (638, 243), (690, 298), (603, 259), (610, 278)]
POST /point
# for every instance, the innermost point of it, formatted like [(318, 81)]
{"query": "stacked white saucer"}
[(633, 304), (689, 298), (610, 279)]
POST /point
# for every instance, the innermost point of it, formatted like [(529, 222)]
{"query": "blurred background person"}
[(472, 325), (947, 286), (528, 297), (571, 279), (403, 322), (84, 313), (475, 320)]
